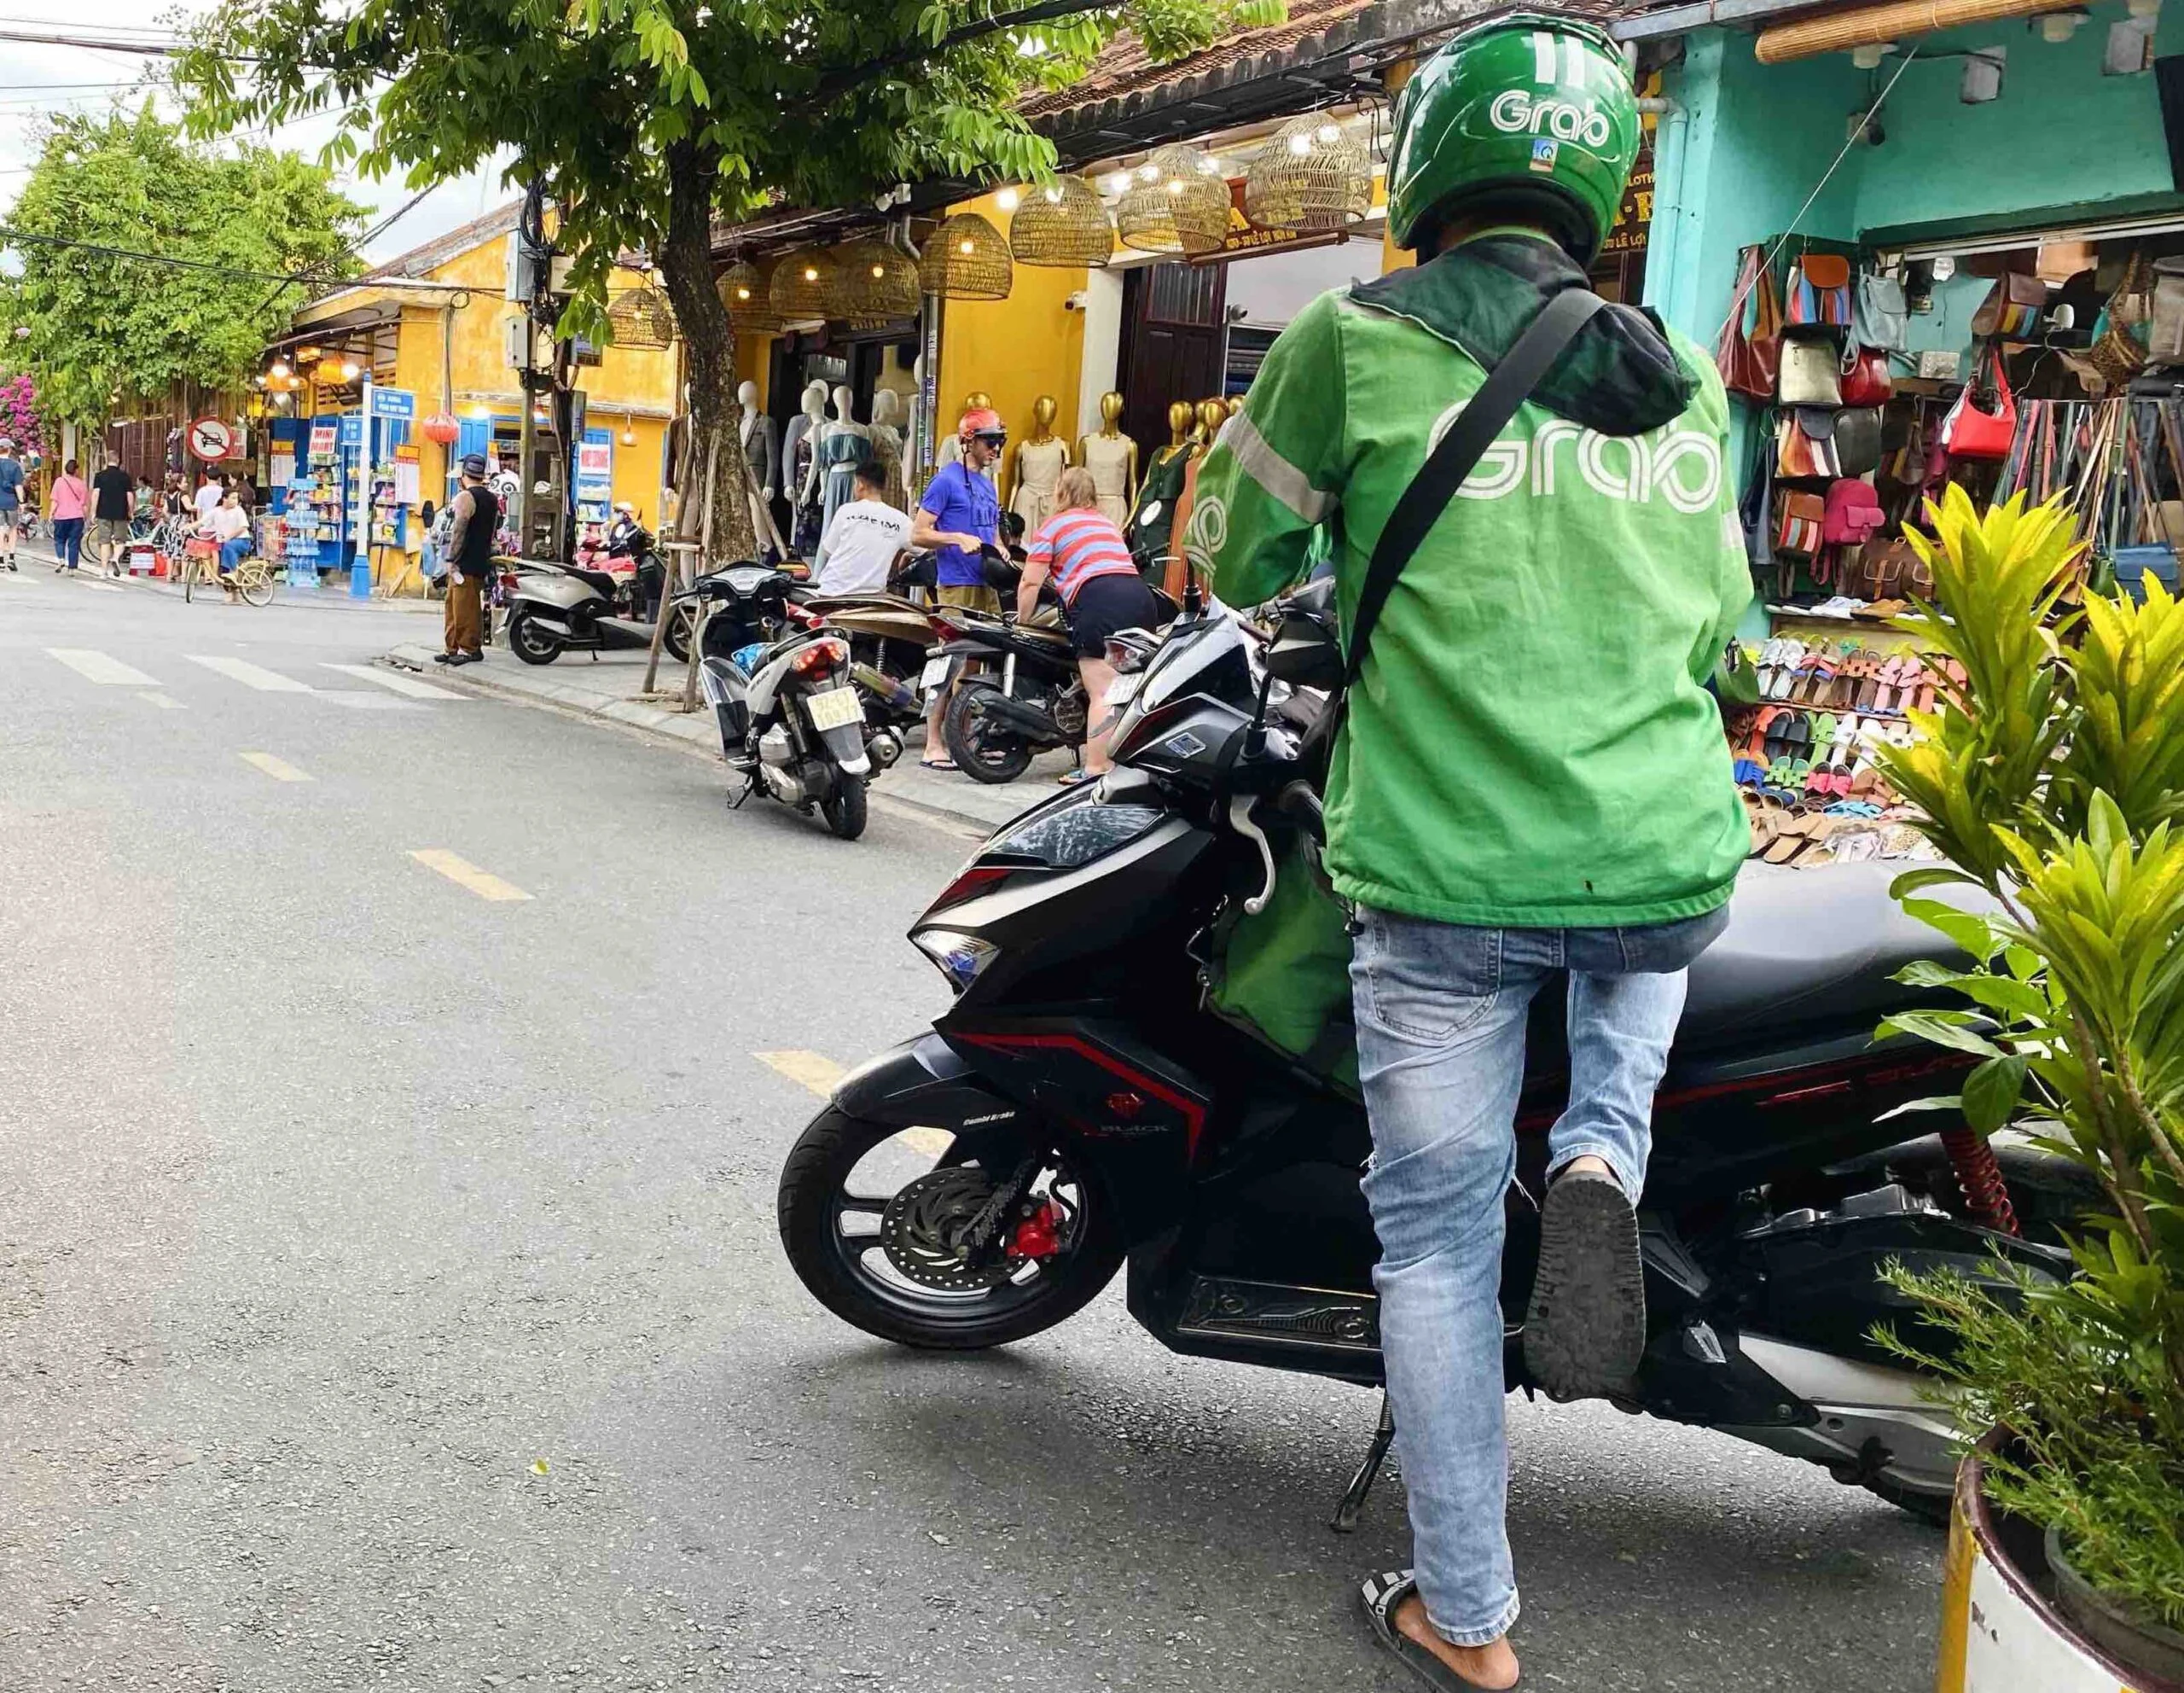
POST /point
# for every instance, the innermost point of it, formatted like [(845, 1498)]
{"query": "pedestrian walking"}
[(476, 518), (111, 489), (72, 504), (11, 500)]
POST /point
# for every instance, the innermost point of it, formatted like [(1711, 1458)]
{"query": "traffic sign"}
[(210, 440)]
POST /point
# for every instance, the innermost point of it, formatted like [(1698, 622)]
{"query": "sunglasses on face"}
[(996, 441)]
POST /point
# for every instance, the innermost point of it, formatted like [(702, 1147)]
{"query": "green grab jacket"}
[(1530, 743)]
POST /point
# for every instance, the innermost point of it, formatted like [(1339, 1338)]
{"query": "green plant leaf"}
[(1942, 1028), (1950, 1102), (1991, 1093)]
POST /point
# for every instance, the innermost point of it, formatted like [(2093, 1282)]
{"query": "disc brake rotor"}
[(924, 1228)]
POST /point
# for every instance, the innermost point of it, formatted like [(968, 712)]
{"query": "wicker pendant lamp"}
[(874, 283), (966, 258), (1310, 176), (1177, 201), (642, 319), (744, 292), (805, 287), (1062, 225)]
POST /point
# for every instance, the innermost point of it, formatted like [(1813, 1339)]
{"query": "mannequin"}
[(951, 449), (916, 436), (801, 452), (1212, 414), (1035, 464), (844, 443), (1153, 515), (887, 445), (762, 452), (1111, 457)]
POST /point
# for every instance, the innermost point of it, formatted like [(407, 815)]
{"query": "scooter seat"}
[(600, 579), (1813, 946)]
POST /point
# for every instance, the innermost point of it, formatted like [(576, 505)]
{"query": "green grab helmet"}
[(1532, 114)]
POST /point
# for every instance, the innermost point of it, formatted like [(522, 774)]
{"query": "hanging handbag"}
[(1798, 529), (1756, 510), (1746, 355), (1970, 430), (1818, 295), (1851, 514), (1804, 444), (1884, 567), (1810, 373), (2119, 343), (2013, 307), (1855, 437), (1865, 380), (1881, 319)]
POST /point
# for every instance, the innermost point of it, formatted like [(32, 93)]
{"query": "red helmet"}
[(981, 419)]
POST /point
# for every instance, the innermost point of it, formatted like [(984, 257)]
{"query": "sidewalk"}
[(333, 593), (610, 686)]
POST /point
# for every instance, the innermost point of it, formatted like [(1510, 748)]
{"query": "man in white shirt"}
[(207, 500), (863, 543)]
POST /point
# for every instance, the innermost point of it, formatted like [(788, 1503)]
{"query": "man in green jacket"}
[(1532, 777)]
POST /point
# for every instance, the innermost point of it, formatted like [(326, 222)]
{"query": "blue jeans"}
[(68, 541), (233, 552), (1441, 1011)]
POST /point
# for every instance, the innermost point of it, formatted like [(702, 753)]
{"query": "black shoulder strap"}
[(1507, 386)]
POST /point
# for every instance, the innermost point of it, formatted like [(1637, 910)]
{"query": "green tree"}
[(103, 326), (647, 120)]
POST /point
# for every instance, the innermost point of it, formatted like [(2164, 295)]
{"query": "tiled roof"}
[(1125, 67), (434, 254)]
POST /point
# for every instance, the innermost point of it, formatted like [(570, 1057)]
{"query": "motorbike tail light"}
[(819, 657), (976, 879), (1127, 656), (508, 580)]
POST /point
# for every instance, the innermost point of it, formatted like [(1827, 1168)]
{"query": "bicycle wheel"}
[(254, 582), (188, 576)]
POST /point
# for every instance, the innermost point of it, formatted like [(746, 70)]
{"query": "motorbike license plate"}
[(936, 672), (1124, 689), (834, 707)]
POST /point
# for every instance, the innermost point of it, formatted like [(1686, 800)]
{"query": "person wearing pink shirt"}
[(72, 500)]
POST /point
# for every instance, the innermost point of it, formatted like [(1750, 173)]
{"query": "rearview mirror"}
[(1303, 653)]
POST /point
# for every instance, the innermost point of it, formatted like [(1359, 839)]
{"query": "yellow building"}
[(433, 325)]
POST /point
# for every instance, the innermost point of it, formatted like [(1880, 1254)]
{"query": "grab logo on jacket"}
[(1680, 466)]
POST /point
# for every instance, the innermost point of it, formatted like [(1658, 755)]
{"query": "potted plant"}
[(2057, 787)]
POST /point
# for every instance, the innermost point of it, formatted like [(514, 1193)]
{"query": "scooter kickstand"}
[(1344, 1520)]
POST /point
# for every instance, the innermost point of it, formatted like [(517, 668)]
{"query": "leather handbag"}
[(1804, 444), (1971, 431), (2013, 307), (1818, 295), (1798, 527), (1747, 352), (1865, 380), (1856, 439), (1883, 568), (1882, 318), (1810, 373)]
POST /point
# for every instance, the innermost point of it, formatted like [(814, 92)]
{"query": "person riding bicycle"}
[(1532, 777), (228, 528)]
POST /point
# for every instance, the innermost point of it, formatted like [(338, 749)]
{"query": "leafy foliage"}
[(2059, 790), (103, 327)]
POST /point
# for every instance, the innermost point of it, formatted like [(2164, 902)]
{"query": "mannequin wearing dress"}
[(951, 448), (1154, 513), (762, 454), (1111, 457), (800, 451), (887, 445), (1040, 458), (1212, 416), (844, 444)]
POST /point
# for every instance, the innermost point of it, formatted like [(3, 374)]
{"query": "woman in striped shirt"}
[(1101, 593)]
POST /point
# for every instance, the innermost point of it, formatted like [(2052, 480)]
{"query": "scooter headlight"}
[(961, 957)]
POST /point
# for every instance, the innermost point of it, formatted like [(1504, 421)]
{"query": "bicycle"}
[(253, 577)]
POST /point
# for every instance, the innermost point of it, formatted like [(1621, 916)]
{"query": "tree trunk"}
[(709, 340)]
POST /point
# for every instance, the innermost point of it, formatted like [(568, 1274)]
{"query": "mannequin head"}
[(1043, 416), (747, 396), (1111, 412), (887, 407), (1212, 415), (1235, 404), (844, 397), (977, 401), (814, 403), (1181, 415)]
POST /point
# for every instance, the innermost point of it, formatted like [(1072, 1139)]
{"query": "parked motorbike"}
[(792, 723), (553, 607), (888, 636), (1100, 1109)]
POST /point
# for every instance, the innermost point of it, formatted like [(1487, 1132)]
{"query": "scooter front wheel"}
[(884, 1234), (528, 641)]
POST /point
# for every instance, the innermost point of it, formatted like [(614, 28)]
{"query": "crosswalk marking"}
[(161, 701), (818, 1073), (94, 666), (252, 675), (408, 686), (279, 769), (103, 587), (464, 874)]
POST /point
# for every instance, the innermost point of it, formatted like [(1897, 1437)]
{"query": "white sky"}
[(35, 79)]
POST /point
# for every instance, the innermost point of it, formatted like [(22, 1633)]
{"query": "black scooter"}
[(553, 607), (1099, 1109)]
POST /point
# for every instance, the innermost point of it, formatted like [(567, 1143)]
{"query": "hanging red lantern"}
[(441, 428)]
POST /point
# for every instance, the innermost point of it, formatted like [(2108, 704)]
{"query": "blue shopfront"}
[(343, 485)]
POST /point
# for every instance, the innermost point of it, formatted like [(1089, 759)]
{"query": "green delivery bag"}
[(1283, 976)]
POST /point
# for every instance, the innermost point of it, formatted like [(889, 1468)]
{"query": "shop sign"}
[(1635, 217), (210, 440), (1244, 238), (596, 465), (353, 429), (322, 440), (396, 404)]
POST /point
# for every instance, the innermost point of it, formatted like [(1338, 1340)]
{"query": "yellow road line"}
[(818, 1073), (279, 769), (483, 883)]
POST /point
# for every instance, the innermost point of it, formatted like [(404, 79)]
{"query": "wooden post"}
[(675, 549), (706, 562)]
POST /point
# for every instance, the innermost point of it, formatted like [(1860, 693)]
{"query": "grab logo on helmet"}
[(1515, 112)]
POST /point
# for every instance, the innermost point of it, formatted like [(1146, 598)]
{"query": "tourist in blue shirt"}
[(11, 500), (960, 513)]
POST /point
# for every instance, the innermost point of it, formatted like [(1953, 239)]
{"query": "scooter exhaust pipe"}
[(884, 748), (895, 695), (1029, 721)]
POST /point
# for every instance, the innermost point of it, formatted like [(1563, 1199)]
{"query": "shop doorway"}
[(1173, 343)]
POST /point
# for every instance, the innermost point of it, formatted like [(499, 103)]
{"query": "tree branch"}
[(841, 82)]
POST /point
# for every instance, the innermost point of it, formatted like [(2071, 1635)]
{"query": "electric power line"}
[(168, 259)]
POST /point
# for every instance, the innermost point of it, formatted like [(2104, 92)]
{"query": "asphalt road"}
[(390, 1297)]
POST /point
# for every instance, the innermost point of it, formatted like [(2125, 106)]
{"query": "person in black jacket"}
[(477, 516)]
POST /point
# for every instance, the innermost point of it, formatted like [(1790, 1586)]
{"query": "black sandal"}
[(1585, 1326), (1381, 1595)]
